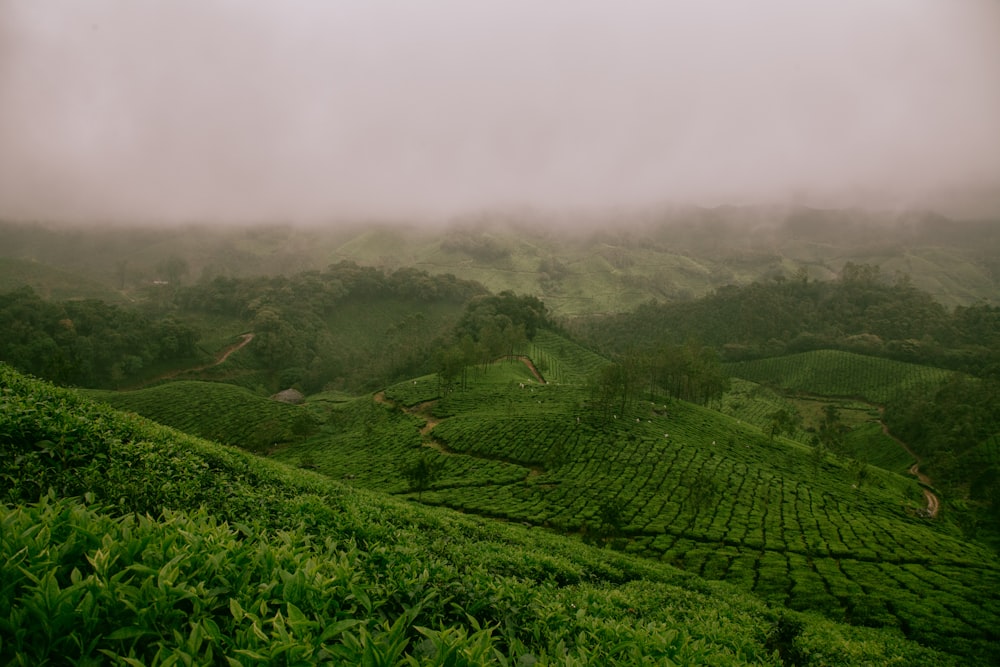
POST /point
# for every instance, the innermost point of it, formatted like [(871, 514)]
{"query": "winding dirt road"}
[(933, 502), (220, 359)]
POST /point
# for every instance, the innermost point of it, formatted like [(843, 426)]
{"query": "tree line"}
[(87, 343), (864, 312)]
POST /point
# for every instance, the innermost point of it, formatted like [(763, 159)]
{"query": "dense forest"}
[(863, 311), (88, 343)]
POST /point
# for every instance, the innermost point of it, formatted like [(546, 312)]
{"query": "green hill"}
[(215, 411), (837, 373), (677, 483), (53, 283), (582, 263), (125, 542)]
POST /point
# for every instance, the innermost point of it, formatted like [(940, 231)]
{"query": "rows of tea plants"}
[(836, 373), (373, 445), (507, 389), (865, 440), (870, 444), (561, 360), (124, 542), (701, 491), (754, 404), (216, 411), (414, 392)]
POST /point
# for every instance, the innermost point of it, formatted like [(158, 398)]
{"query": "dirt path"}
[(220, 359), (423, 410), (246, 338), (933, 502), (531, 367), (527, 362)]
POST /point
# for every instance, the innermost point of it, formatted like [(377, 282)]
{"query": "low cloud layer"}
[(238, 110)]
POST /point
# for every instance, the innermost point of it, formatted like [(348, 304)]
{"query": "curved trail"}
[(933, 502), (422, 410), (220, 359), (247, 337)]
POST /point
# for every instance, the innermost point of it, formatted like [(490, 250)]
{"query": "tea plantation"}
[(124, 542), (689, 486)]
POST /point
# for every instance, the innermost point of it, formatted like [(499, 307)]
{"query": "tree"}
[(831, 429), (610, 391), (861, 472), (450, 364), (783, 421), (421, 473)]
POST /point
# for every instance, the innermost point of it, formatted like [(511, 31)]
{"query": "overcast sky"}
[(245, 110)]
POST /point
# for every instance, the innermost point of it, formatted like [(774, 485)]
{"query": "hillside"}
[(221, 412), (128, 543), (569, 260), (675, 483), (53, 283), (838, 373)]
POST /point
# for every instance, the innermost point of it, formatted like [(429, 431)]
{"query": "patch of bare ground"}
[(933, 502), (219, 359)]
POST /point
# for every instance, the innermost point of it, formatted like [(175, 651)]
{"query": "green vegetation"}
[(52, 283), (818, 528), (837, 373), (128, 543), (861, 312), (721, 480), (328, 329), (88, 343), (221, 412), (583, 264)]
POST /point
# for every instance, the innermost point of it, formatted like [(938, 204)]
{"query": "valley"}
[(786, 471)]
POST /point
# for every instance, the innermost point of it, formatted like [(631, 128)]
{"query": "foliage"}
[(954, 428), (796, 525), (422, 473), (220, 412), (346, 326), (87, 343), (860, 313), (175, 550), (837, 373)]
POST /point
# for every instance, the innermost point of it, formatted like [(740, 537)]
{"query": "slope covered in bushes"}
[(125, 542)]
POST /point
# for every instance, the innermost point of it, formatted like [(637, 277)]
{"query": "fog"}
[(321, 111)]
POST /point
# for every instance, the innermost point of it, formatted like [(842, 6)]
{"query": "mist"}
[(321, 112)]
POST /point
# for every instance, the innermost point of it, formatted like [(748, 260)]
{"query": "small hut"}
[(292, 396)]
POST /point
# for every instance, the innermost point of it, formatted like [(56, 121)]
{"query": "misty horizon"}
[(250, 112)]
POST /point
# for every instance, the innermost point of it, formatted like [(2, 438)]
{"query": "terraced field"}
[(836, 373), (723, 502), (126, 542), (752, 403), (689, 486), (679, 484), (215, 411)]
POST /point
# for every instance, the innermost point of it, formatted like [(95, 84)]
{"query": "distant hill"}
[(53, 283), (595, 262)]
